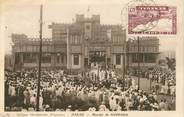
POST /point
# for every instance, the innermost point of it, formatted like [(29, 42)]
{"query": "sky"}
[(22, 16)]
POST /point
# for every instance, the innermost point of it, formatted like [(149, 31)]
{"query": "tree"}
[(171, 63)]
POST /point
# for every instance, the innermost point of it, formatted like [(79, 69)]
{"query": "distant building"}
[(79, 44)]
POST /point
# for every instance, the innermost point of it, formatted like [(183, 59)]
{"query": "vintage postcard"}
[(96, 58)]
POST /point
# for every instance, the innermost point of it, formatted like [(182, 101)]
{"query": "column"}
[(53, 59), (65, 60), (82, 61)]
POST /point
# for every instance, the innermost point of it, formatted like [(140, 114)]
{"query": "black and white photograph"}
[(79, 56)]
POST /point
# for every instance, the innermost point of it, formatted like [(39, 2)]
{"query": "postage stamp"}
[(152, 20), (131, 4)]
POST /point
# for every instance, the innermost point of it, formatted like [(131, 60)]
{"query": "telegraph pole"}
[(138, 44), (127, 54), (40, 59), (124, 59)]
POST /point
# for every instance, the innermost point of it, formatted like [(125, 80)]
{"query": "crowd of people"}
[(95, 90), (164, 79)]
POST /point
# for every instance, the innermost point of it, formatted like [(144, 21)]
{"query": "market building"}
[(84, 43)]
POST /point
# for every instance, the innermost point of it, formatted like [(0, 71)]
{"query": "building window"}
[(86, 62), (76, 59), (58, 57), (75, 39), (46, 58), (150, 58), (118, 59), (88, 27), (143, 48), (62, 58), (29, 58), (17, 58)]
